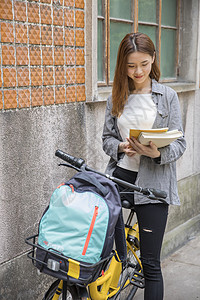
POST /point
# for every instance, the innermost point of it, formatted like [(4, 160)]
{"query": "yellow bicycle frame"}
[(106, 286)]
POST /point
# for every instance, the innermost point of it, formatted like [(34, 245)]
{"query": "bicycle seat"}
[(126, 204)]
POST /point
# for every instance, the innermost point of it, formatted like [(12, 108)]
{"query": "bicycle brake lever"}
[(69, 166), (151, 192), (152, 197)]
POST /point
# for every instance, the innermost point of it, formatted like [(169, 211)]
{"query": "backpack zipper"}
[(95, 214)]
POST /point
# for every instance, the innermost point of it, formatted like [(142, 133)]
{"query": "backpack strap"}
[(120, 239), (91, 180)]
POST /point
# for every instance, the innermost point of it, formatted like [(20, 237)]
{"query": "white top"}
[(139, 113)]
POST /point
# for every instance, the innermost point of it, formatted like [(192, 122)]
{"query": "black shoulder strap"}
[(120, 239)]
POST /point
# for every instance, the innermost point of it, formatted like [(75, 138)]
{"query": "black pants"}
[(152, 220)]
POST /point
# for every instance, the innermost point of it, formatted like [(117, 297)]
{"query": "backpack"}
[(77, 230)]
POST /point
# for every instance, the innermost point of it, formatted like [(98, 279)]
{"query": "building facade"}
[(57, 62)]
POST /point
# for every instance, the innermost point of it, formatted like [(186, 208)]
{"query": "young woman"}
[(139, 101)]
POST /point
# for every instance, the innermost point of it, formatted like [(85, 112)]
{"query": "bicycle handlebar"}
[(74, 161), (79, 163)]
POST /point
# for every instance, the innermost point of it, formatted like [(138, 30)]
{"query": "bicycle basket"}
[(55, 264)]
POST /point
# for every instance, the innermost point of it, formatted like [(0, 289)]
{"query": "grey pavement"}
[(181, 273)]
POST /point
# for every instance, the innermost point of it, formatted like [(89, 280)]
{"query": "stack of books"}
[(161, 137)]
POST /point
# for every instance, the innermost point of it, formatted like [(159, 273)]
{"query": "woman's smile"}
[(138, 76)]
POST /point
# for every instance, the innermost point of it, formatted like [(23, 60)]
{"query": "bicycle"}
[(115, 279)]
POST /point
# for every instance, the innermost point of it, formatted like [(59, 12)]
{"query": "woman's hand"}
[(151, 150), (126, 148)]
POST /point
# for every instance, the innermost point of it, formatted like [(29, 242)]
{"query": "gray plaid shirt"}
[(151, 174)]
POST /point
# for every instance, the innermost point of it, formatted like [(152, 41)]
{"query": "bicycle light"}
[(53, 265)]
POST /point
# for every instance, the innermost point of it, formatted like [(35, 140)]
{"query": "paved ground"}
[(181, 272)]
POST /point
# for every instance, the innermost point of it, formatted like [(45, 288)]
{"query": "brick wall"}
[(42, 52)]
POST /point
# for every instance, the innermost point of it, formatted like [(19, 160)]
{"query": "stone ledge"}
[(178, 86), (181, 86)]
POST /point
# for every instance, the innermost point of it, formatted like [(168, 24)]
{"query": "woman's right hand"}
[(126, 148)]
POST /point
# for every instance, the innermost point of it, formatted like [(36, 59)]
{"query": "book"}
[(136, 132), (160, 139)]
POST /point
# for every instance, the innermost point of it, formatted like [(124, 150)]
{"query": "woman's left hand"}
[(151, 150)]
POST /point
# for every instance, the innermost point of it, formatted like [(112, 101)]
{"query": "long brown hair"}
[(122, 84)]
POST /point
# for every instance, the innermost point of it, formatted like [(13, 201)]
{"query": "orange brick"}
[(8, 55), (9, 77), (23, 77), (80, 57), (1, 100), (69, 3), (48, 76), (69, 37), (33, 12), (7, 33), (34, 34), (69, 17), (21, 35), (36, 97), (70, 56), (80, 75), (46, 35), (47, 56), (58, 2), (71, 93), (81, 93), (6, 10), (57, 16), (70, 75), (48, 96), (58, 36), (58, 56), (59, 75), (60, 95), (36, 76), (20, 11), (80, 42), (10, 99), (35, 56), (45, 12), (24, 98), (80, 22), (79, 3), (22, 55), (45, 1), (0, 79)]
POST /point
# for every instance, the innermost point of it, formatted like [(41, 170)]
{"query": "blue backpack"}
[(82, 221)]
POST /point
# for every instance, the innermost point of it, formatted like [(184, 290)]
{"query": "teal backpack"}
[(82, 221)]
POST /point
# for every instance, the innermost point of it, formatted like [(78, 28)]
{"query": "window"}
[(157, 18)]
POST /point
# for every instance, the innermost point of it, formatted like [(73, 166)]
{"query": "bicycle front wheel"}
[(55, 289)]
